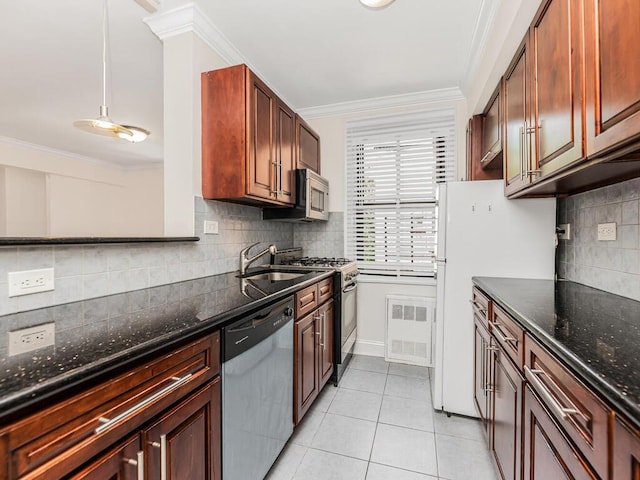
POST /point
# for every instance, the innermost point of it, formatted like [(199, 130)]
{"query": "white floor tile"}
[(404, 370), (368, 363), (345, 436), (307, 428), (407, 412), (459, 456), (325, 398), (364, 381), (356, 404), (408, 387), (287, 463), (405, 448), (318, 465), (384, 472), (458, 426)]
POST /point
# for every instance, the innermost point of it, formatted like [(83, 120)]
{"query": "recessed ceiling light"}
[(376, 3)]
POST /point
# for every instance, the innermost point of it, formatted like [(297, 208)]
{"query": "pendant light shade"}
[(103, 125), (376, 4)]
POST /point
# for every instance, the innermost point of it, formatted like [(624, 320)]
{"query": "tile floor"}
[(380, 425)]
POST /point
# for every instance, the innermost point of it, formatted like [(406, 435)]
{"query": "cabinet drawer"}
[(582, 416), (50, 443), (508, 334), (325, 290), (306, 300), (480, 304)]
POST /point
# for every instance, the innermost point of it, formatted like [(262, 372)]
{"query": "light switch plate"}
[(30, 281), (607, 231)]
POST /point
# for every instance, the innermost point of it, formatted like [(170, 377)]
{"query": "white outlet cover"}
[(30, 281), (210, 227), (32, 338), (607, 231)]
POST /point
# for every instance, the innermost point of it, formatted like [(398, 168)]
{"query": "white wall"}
[(24, 202)]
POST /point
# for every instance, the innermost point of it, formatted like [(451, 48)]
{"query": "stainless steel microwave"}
[(312, 200)]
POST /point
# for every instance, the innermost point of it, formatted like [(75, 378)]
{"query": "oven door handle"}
[(349, 288)]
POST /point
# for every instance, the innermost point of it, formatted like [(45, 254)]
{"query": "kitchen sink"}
[(273, 276)]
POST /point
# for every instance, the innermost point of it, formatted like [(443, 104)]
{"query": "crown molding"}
[(484, 24), (76, 156), (379, 103)]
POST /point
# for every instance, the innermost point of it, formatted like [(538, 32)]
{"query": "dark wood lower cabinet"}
[(325, 351), (482, 375), (626, 452), (185, 442), (305, 353), (506, 390), (548, 454), (124, 462)]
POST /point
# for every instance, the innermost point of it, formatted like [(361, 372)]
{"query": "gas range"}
[(293, 258)]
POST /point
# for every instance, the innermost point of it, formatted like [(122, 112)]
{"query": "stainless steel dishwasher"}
[(257, 391)]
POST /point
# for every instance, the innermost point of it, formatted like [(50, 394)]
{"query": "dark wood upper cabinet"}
[(474, 149), (307, 146), (248, 140), (492, 126), (517, 154), (613, 74), (555, 127)]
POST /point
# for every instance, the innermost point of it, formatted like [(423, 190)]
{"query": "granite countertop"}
[(595, 333), (97, 337)]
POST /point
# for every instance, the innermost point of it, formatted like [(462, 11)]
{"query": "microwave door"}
[(317, 200)]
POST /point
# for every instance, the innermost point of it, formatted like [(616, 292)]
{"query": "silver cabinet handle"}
[(322, 337), (533, 377), (109, 423), (504, 339), (486, 155), (138, 462), (479, 307), (162, 445)]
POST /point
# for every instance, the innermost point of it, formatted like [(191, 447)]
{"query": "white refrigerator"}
[(480, 233)]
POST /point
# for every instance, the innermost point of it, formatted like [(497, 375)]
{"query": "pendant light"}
[(376, 4), (103, 125)]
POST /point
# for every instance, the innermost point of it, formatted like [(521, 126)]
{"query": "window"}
[(393, 167)]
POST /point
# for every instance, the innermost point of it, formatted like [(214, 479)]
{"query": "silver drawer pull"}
[(486, 155), (138, 462), (503, 338), (479, 307), (109, 423), (562, 412)]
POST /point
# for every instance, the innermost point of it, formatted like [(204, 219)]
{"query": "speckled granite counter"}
[(595, 333), (96, 337)]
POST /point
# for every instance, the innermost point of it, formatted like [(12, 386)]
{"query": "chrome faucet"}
[(245, 261)]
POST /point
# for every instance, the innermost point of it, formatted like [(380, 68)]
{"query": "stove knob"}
[(288, 312)]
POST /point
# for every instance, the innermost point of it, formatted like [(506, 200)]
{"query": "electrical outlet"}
[(30, 281), (210, 227), (607, 231), (564, 231), (32, 338)]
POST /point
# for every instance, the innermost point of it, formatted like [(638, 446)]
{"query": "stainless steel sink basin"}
[(273, 276)]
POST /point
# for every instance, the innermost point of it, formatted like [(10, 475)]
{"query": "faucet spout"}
[(245, 260)]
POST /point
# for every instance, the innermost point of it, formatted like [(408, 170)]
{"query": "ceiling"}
[(312, 53)]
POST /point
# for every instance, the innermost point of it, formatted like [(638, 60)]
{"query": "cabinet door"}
[(612, 48), (482, 375), (261, 165), (325, 348), (285, 153), (556, 127), (507, 416), (305, 378), (124, 462), (307, 146), (547, 452), (516, 146), (492, 131), (626, 452), (185, 442)]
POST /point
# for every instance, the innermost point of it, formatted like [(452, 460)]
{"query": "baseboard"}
[(367, 347)]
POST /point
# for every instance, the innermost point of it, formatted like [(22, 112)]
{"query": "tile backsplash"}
[(90, 271), (613, 266), (321, 239)]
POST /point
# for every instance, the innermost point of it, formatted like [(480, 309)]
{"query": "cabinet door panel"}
[(308, 144), (482, 374), (547, 453), (325, 324), (285, 153), (261, 164), (120, 463), (626, 452), (186, 440), (507, 421), (306, 385), (612, 45), (557, 96), (516, 149)]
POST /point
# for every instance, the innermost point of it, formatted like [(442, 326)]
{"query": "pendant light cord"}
[(104, 59)]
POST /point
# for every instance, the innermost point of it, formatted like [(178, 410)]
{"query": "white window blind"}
[(393, 167)]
